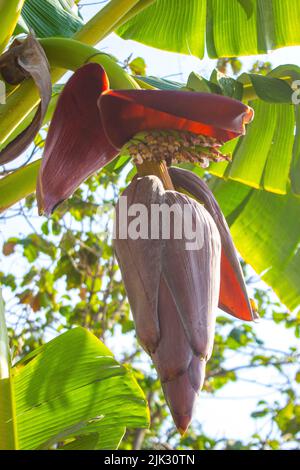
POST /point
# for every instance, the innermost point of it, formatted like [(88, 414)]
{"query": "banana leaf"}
[(70, 391), (225, 28)]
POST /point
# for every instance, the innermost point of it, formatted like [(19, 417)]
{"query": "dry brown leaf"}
[(24, 60)]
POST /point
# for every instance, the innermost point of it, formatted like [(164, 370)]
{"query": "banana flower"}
[(173, 292), (92, 123)]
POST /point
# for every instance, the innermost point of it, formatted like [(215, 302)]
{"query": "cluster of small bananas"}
[(175, 147)]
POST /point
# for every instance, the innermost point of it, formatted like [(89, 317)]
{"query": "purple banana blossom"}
[(173, 292), (233, 293)]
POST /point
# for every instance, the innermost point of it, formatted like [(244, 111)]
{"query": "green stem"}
[(71, 54), (8, 431), (18, 107), (142, 5), (9, 12), (18, 184), (158, 169), (105, 21), (26, 122)]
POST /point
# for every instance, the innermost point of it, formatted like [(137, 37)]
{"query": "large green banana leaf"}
[(262, 158), (267, 157), (226, 28), (71, 389)]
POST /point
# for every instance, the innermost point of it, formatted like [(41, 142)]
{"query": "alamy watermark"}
[(159, 222)]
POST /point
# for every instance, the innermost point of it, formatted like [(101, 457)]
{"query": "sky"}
[(226, 413)]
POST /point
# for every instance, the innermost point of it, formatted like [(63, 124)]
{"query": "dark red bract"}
[(76, 146), (91, 123), (125, 113), (173, 292)]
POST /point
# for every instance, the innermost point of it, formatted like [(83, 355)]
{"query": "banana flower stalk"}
[(21, 61), (173, 292)]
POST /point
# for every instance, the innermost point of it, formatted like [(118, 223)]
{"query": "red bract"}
[(25, 59), (91, 122), (233, 293), (76, 145), (127, 112)]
